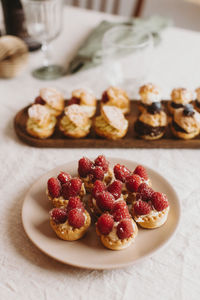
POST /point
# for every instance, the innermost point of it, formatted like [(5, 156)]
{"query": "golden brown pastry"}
[(152, 123), (185, 123), (75, 123), (116, 235), (86, 100), (40, 123), (149, 94), (111, 124), (116, 97), (52, 99), (180, 97), (153, 213), (197, 101)]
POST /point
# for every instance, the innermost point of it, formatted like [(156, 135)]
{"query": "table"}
[(25, 272)]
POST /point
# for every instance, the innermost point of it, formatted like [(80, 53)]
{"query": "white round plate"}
[(89, 252)]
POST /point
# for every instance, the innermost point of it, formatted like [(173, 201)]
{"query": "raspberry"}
[(141, 208), (121, 172), (105, 201), (133, 182), (104, 98), (141, 171), (71, 188), (99, 187), (125, 229), (160, 201), (119, 205), (58, 215), (102, 162), (76, 218), (97, 173), (39, 100), (75, 202), (105, 224), (54, 187), (115, 188), (84, 166), (120, 214), (145, 192), (74, 100), (63, 177)]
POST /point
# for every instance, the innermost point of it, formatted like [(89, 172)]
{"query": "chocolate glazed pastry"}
[(145, 129)]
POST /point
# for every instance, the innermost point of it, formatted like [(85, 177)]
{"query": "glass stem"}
[(46, 53)]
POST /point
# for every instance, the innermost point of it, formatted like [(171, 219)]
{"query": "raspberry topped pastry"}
[(180, 97), (150, 210), (60, 189), (116, 97), (40, 123), (186, 123), (111, 124), (197, 101), (90, 171), (70, 223), (152, 123), (75, 122), (150, 94), (86, 100), (116, 235), (102, 198), (52, 99)]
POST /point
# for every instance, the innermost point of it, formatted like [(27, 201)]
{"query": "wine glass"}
[(127, 57), (44, 23)]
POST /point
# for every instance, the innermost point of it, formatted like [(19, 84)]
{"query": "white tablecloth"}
[(25, 272)]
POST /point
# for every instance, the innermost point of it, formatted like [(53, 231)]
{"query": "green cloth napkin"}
[(90, 55)]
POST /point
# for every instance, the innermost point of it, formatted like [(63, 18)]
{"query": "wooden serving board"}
[(57, 140)]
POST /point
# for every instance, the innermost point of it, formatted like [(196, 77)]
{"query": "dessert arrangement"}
[(117, 201), (114, 119)]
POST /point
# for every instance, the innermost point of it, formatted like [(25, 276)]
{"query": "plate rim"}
[(117, 265)]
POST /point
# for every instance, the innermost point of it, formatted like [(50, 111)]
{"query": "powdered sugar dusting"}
[(38, 112), (76, 115), (114, 116), (51, 96)]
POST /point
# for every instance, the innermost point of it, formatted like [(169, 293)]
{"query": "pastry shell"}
[(184, 135), (152, 221), (41, 132), (54, 100), (118, 98), (66, 232)]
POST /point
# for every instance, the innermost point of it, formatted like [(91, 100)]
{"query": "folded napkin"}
[(90, 55)]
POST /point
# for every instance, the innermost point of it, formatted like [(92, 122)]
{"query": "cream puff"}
[(40, 124), (75, 122), (180, 97), (52, 99), (197, 101), (90, 171), (152, 123), (149, 94), (116, 235), (153, 213), (86, 100), (114, 96), (111, 124), (72, 222), (60, 189), (185, 123)]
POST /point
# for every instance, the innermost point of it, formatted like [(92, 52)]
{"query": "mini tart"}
[(180, 97), (88, 183), (68, 233), (111, 124), (154, 219), (151, 126), (61, 201), (116, 97), (185, 127), (112, 241), (53, 100), (95, 210), (40, 124), (86, 100), (149, 93), (197, 101), (75, 123)]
